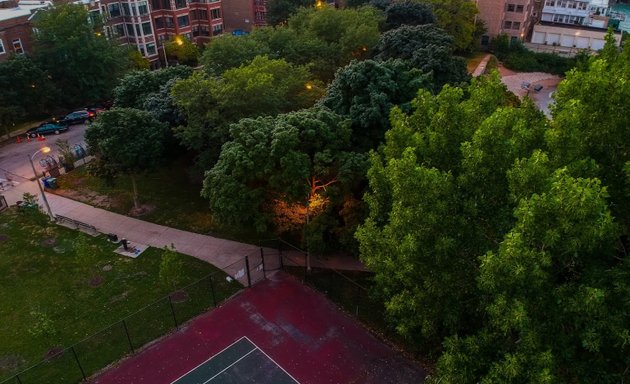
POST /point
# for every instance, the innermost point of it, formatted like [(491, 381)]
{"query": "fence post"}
[(214, 299), (76, 358), (249, 278), (128, 337), (170, 303), (262, 259)]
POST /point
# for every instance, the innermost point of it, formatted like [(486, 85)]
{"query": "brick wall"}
[(15, 29)]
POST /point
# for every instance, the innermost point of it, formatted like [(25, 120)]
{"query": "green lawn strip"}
[(174, 201), (473, 61), (51, 298)]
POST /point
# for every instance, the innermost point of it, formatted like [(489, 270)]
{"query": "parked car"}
[(47, 128), (95, 110), (76, 117)]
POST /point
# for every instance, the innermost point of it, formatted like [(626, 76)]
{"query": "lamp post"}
[(30, 159)]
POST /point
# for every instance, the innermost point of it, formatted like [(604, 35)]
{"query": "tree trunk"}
[(136, 204)]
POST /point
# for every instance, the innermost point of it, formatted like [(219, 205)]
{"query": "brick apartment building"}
[(146, 24), (15, 26), (244, 14), (511, 17)]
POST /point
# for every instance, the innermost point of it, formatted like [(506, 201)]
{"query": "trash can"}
[(52, 183), (46, 182)]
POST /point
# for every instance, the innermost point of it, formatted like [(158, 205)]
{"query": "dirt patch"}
[(53, 353), (86, 196), (10, 363), (144, 209), (49, 242), (96, 281), (179, 296)]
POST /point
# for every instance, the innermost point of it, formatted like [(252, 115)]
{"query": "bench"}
[(77, 224)]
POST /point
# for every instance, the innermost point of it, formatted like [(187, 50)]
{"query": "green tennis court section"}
[(240, 363)]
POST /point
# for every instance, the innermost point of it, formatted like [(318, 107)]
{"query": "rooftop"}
[(24, 8)]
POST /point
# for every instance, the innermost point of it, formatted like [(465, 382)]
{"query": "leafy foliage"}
[(231, 52), (136, 87), (457, 18), (515, 56), (26, 89), (279, 11), (126, 141), (274, 165), (171, 268), (427, 48), (81, 62), (408, 13), (366, 91), (210, 104), (184, 50)]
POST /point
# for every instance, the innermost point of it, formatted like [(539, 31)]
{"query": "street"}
[(14, 164)]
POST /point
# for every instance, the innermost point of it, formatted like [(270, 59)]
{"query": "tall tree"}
[(279, 11), (231, 52), (210, 104), (408, 12), (422, 237), (457, 18), (427, 48), (127, 141), (26, 88), (366, 91), (82, 63), (135, 87), (283, 168)]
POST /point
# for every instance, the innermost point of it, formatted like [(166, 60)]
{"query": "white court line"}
[(269, 357), (229, 366), (212, 357)]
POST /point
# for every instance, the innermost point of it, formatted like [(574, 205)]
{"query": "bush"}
[(515, 56)]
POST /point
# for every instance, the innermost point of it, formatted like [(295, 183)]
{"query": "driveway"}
[(543, 98)]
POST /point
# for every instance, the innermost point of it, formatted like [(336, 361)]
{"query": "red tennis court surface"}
[(298, 328)]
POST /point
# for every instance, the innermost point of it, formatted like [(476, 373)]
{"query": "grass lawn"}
[(51, 298), (168, 194)]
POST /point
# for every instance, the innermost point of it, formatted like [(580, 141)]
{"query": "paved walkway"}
[(218, 252)]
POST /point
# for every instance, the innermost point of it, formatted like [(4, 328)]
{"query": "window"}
[(125, 9), (146, 28), (201, 30), (507, 24), (188, 36), (130, 31), (180, 4), (2, 51), (143, 9), (138, 33), (151, 49), (215, 13), (183, 21), (114, 9), (159, 22), (510, 7), (516, 25), (520, 8), (160, 4), (199, 14), (217, 29), (119, 30), (550, 3), (169, 22), (17, 46)]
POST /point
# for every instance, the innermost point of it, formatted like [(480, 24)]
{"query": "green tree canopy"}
[(366, 91), (427, 48), (231, 52), (408, 12), (457, 18), (264, 87), (279, 11), (273, 166), (127, 141), (26, 89), (184, 50), (82, 63), (133, 90)]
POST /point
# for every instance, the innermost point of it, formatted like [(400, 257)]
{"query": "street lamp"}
[(30, 159)]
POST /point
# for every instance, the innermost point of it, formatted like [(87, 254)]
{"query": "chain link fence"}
[(79, 361)]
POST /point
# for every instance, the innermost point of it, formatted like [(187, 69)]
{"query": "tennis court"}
[(241, 362)]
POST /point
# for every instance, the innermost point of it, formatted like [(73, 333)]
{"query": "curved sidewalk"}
[(218, 252)]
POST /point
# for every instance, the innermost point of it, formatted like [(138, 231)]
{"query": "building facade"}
[(244, 14), (15, 26), (147, 24), (510, 17)]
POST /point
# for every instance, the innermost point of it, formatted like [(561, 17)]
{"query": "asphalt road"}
[(14, 164)]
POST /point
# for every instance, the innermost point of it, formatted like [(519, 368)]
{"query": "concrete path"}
[(224, 254), (481, 67)]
